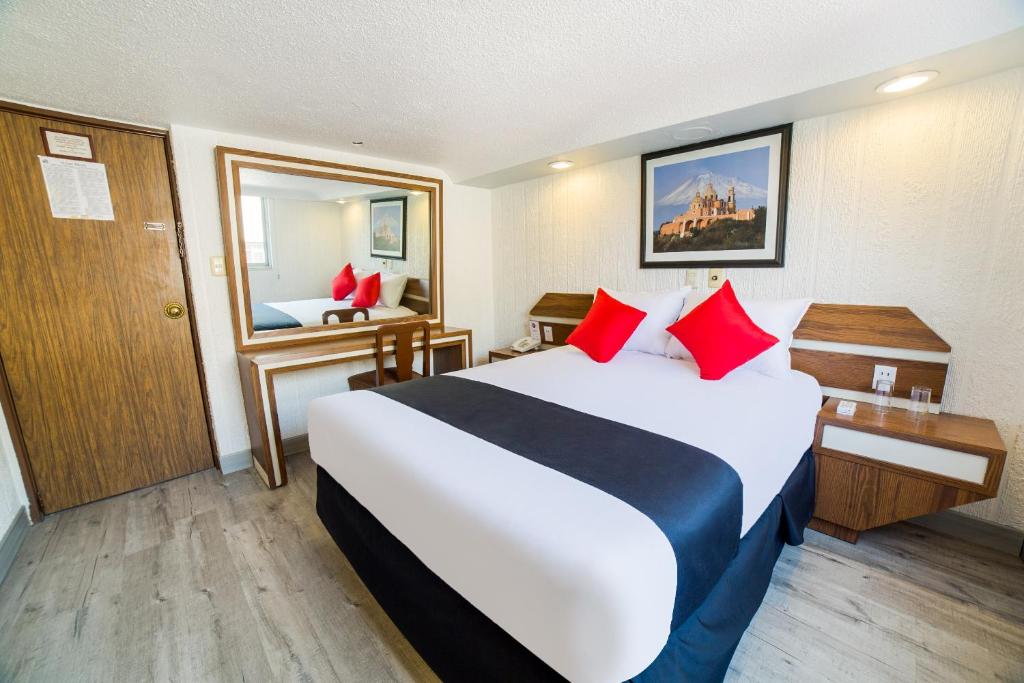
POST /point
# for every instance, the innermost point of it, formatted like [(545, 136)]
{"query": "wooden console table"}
[(451, 349)]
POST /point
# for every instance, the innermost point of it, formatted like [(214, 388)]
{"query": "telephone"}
[(525, 344)]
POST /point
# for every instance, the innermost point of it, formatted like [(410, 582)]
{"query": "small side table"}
[(875, 468), (506, 352)]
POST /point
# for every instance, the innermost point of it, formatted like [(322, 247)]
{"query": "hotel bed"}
[(551, 517), (308, 313)]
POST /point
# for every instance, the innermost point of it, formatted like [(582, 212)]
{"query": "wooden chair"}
[(402, 370), (344, 315)]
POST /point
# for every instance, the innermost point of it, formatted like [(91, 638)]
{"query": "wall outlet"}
[(549, 335), (692, 278), (716, 277), (883, 372)]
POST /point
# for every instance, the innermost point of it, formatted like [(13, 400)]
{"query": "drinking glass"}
[(883, 395), (920, 399)]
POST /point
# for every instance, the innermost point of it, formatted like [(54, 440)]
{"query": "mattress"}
[(581, 579), (309, 312)]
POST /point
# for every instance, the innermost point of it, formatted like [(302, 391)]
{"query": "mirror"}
[(291, 226)]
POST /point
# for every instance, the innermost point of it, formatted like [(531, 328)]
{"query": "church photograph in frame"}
[(716, 203)]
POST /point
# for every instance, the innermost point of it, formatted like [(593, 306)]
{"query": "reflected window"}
[(256, 227)]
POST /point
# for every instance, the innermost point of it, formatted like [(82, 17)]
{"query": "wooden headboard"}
[(837, 344), (417, 294)]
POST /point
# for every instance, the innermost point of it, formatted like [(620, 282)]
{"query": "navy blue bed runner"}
[(265, 318), (694, 497)]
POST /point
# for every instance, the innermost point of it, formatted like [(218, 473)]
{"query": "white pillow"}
[(778, 318), (392, 286), (662, 310)]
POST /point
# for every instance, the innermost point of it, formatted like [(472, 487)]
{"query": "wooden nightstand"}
[(505, 353), (876, 468)]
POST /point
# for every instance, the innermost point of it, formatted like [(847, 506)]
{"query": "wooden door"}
[(105, 386)]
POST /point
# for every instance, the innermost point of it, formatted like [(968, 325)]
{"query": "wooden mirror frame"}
[(230, 160)]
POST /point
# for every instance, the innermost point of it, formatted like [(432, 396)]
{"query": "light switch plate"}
[(716, 276), (884, 372), (217, 265)]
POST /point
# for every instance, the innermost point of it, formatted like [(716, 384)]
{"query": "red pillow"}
[(720, 334), (607, 327), (344, 283), (367, 291)]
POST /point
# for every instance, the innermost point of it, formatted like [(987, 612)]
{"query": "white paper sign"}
[(68, 145), (77, 189)]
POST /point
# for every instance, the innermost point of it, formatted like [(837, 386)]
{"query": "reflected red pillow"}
[(344, 283), (367, 291), (720, 334), (607, 327)]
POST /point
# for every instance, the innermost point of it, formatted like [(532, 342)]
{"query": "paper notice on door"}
[(77, 189)]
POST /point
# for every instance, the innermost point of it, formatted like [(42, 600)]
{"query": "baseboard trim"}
[(975, 530), (11, 543), (242, 460), (235, 462)]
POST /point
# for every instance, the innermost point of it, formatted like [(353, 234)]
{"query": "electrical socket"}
[(716, 277), (883, 372)]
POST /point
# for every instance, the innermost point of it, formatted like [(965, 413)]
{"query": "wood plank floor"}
[(211, 578)]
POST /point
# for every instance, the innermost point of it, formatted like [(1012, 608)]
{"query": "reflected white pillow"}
[(662, 310), (778, 318), (392, 286)]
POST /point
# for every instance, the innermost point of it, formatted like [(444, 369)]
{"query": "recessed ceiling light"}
[(357, 143), (561, 164), (340, 201), (904, 83), (693, 133)]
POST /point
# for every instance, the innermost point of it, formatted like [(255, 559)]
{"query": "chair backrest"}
[(403, 334), (344, 315)]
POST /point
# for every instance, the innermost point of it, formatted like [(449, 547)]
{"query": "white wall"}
[(916, 202), (468, 288), (306, 251), (12, 491)]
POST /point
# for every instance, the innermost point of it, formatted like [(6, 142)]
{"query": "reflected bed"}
[(282, 315)]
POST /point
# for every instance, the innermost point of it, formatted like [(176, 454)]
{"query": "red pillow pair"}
[(718, 332), (367, 290)]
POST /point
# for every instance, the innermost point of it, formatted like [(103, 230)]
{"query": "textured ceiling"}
[(469, 87)]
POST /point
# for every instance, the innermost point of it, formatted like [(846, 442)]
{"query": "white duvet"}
[(310, 312), (580, 578)]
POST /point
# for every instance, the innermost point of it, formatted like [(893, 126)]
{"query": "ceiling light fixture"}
[(415, 193), (561, 164), (357, 143), (693, 133), (904, 83), (340, 201)]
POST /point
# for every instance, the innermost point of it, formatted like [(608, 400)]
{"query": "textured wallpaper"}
[(916, 202)]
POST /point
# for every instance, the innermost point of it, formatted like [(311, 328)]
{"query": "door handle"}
[(174, 310)]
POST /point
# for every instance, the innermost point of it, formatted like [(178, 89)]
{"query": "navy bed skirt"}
[(461, 644)]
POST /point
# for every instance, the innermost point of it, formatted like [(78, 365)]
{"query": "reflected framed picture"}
[(387, 228), (716, 203)]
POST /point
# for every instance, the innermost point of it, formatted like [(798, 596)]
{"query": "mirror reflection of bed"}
[(302, 231)]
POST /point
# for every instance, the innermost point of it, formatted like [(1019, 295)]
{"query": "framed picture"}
[(387, 228), (716, 203)]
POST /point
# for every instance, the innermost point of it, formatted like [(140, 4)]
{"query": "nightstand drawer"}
[(942, 461)]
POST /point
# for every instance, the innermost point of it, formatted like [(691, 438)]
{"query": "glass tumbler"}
[(883, 395), (920, 399)]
